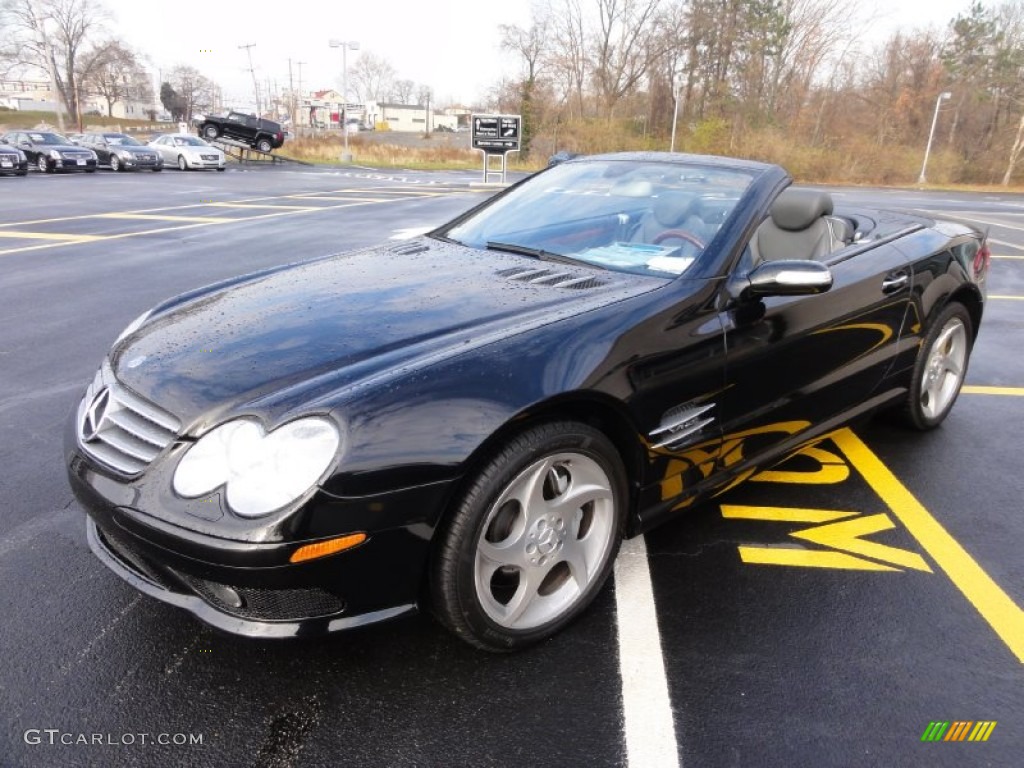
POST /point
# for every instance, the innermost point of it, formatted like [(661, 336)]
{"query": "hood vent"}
[(407, 249), (551, 277)]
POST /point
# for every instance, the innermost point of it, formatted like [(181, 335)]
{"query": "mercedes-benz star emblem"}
[(95, 414)]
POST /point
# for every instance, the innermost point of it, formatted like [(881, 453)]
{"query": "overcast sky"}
[(451, 45)]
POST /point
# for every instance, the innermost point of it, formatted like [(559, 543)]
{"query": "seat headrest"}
[(797, 209), (671, 209)]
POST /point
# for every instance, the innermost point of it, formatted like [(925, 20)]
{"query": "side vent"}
[(680, 423), (551, 277)]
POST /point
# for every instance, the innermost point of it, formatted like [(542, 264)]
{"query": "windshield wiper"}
[(537, 253)]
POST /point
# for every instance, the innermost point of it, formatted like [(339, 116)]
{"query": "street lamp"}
[(345, 45), (675, 116), (931, 134)]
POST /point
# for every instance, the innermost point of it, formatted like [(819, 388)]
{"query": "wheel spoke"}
[(525, 595), (575, 556), (576, 497), (508, 552)]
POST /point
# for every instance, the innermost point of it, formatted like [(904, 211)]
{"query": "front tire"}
[(115, 164), (532, 539), (940, 368), (210, 132), (43, 165), (182, 165)]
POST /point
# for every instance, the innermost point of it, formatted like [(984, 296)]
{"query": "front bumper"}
[(250, 587), (65, 164), (15, 166), (134, 162)]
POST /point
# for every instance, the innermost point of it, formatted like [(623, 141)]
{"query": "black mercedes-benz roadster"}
[(471, 421)]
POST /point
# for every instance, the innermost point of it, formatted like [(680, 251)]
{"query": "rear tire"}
[(264, 145), (210, 132), (940, 369), (532, 539)]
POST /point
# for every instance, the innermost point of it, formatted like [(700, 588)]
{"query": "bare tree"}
[(195, 91), (116, 74), (621, 49), (531, 49), (56, 33), (373, 77), (402, 91)]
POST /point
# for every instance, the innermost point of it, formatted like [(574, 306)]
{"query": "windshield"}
[(651, 218), (189, 141), (47, 138), (122, 141)]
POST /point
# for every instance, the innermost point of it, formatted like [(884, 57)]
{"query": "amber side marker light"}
[(329, 547)]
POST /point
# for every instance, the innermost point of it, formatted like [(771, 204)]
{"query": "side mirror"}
[(783, 278)]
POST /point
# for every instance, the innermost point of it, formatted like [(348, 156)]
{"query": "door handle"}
[(895, 282)]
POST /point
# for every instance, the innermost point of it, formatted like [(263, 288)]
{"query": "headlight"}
[(22, 156), (262, 472), (133, 326), (124, 154), (55, 154)]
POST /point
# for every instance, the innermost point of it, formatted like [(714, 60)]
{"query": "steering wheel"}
[(681, 234)]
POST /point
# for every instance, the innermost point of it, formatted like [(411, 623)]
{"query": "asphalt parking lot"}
[(825, 613)]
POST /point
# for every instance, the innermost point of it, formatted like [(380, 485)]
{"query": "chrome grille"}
[(119, 428), (208, 157)]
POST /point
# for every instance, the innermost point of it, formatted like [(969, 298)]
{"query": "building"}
[(413, 117)]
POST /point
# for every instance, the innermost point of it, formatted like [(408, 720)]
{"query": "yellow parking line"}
[(158, 217), (978, 390), (984, 594), (291, 210), (259, 205), (331, 197), (50, 236)]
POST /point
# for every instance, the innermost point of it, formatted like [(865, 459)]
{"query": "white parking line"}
[(646, 708)]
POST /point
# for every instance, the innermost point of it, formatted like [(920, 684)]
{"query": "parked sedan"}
[(471, 421), (12, 160), (51, 152), (122, 152), (188, 152)]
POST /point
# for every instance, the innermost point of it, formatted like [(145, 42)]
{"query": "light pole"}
[(675, 116), (931, 134), (345, 45)]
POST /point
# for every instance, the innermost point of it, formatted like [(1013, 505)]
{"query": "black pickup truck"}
[(258, 133)]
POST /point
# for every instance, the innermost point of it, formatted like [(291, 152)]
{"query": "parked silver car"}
[(188, 152)]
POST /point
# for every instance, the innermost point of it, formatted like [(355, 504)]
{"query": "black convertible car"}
[(471, 421)]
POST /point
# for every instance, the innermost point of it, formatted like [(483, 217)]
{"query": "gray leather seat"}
[(670, 210), (800, 227)]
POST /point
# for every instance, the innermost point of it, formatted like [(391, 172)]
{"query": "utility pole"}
[(299, 64), (291, 95), (252, 71)]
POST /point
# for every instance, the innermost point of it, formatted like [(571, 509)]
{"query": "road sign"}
[(496, 134)]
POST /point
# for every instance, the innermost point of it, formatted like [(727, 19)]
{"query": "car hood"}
[(143, 150), (316, 328), (60, 148)]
